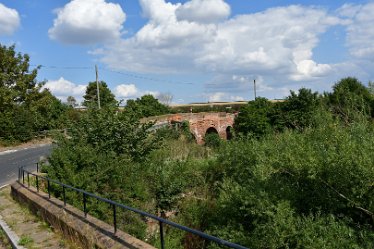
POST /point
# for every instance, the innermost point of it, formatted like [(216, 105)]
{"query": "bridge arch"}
[(211, 130)]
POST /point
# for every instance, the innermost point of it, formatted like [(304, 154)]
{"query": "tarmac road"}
[(12, 159)]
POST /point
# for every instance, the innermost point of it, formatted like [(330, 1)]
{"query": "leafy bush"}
[(284, 190), (299, 109), (212, 140), (301, 179), (350, 100), (254, 118)]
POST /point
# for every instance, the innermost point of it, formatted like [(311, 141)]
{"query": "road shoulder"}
[(32, 144)]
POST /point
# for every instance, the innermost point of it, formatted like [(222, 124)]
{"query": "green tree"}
[(146, 106), (299, 109), (254, 118), (48, 111), (107, 98), (350, 99), (17, 82), (71, 101), (24, 108)]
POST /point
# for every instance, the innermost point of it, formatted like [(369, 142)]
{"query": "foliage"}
[(283, 190), (146, 106), (25, 241), (71, 101), (261, 117), (350, 100), (25, 109), (103, 154), (212, 140), (254, 118), (107, 98), (300, 108), (371, 87), (304, 180), (16, 81), (112, 132)]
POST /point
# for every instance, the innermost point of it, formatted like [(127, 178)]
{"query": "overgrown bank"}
[(299, 174)]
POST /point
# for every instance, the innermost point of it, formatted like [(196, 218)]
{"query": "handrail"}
[(21, 175)]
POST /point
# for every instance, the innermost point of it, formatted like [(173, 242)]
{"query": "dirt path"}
[(33, 232)]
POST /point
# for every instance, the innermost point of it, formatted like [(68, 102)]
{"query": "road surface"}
[(12, 159)]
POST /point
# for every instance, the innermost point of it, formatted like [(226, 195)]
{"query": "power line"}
[(132, 75), (59, 67), (149, 78)]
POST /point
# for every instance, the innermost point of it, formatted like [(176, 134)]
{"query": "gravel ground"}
[(33, 232)]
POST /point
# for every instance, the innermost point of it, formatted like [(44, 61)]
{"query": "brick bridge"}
[(200, 123)]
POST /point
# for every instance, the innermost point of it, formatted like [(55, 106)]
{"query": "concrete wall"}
[(87, 232)]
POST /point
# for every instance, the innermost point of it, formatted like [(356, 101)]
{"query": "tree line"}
[(349, 101), (27, 108)]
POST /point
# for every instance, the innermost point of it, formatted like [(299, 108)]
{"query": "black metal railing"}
[(115, 205)]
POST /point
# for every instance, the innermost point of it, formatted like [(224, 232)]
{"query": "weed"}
[(25, 240), (4, 240)]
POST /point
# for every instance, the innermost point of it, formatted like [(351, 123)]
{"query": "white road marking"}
[(32, 147), (7, 152)]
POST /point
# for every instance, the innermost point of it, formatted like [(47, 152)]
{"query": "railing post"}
[(28, 179), (162, 236), (37, 183), (37, 167), (63, 195), (23, 176), (114, 218), (48, 186), (84, 205)]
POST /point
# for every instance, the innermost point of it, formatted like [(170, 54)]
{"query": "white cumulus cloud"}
[(203, 11), (88, 22), (63, 88), (251, 43), (9, 20), (360, 32), (130, 91), (126, 91)]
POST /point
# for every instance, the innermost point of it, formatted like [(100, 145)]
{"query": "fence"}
[(114, 205)]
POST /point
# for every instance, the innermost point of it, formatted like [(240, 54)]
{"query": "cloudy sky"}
[(196, 50)]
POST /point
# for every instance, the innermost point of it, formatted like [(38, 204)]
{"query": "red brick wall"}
[(201, 122)]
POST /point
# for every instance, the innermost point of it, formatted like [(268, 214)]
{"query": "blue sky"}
[(195, 50)]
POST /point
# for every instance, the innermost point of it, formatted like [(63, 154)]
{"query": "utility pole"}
[(97, 87), (254, 86)]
